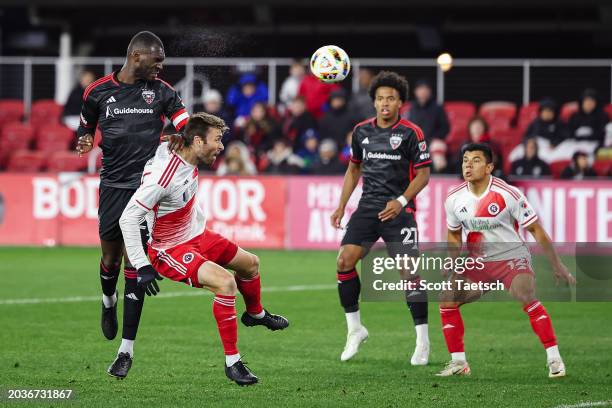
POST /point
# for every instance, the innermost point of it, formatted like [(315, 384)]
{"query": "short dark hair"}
[(198, 125), (392, 80), (144, 40), (479, 147)]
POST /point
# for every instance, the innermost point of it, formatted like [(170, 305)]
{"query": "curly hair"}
[(199, 123), (392, 80)]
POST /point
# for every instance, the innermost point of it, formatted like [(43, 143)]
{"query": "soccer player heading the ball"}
[(489, 212), (392, 155), (182, 249)]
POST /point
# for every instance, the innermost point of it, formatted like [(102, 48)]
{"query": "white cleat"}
[(556, 368), (353, 341), (455, 367), (421, 355)]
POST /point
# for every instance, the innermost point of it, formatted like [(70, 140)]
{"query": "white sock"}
[(109, 301), (553, 352), (353, 321), (458, 356), (127, 346), (259, 315), (232, 359), (422, 333)]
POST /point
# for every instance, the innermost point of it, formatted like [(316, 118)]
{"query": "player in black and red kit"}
[(129, 106), (392, 155)]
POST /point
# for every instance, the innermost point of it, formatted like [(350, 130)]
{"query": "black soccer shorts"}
[(400, 234), (111, 205)]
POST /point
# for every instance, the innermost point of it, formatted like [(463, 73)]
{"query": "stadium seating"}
[(45, 112), (66, 161), (497, 111), (14, 136), (54, 138), (11, 110), (459, 110), (602, 167), (527, 114), (557, 167), (27, 161), (567, 110), (608, 109)]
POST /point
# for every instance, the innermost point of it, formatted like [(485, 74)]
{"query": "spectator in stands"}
[(478, 131), (547, 125), (437, 150), (297, 121), (237, 161), (427, 114), (579, 168), (310, 151), (361, 105), (212, 103), (260, 130), (291, 85), (316, 94), (531, 164), (336, 122), (590, 121), (72, 108), (244, 95), (328, 163), (282, 160)]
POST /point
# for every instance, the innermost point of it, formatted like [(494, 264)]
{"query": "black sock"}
[(417, 303), (349, 287), (132, 304), (108, 278)]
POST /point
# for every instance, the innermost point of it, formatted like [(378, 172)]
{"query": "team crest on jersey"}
[(187, 258), (148, 96), (423, 146), (493, 209), (395, 140)]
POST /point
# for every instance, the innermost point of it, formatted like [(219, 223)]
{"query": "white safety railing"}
[(272, 65)]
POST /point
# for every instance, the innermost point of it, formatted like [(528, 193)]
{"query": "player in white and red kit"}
[(182, 249), (490, 212)]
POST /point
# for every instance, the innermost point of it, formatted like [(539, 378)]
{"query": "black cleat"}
[(240, 374), (272, 322), (109, 320), (121, 366)]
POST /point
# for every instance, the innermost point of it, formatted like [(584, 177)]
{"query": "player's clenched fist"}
[(391, 211), (561, 272), (84, 144), (146, 280), (336, 217)]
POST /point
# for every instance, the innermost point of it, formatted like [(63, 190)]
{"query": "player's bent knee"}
[(346, 260), (254, 267)]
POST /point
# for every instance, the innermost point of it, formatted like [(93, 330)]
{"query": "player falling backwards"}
[(489, 212), (182, 249), (129, 107), (392, 155)]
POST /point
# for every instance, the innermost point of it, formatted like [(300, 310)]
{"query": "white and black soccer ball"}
[(330, 63)]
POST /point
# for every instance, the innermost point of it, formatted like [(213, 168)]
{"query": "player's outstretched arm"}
[(351, 178), (394, 207), (560, 271)]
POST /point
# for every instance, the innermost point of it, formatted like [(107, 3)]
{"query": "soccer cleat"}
[(240, 374), (109, 320), (272, 322), (353, 341), (421, 355), (121, 366), (455, 367), (556, 368)]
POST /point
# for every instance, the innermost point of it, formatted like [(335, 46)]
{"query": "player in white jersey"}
[(182, 249), (489, 213)]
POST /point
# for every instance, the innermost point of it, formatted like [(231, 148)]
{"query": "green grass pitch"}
[(179, 362)]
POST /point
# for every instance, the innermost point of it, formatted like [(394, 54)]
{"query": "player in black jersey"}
[(129, 106), (392, 155)]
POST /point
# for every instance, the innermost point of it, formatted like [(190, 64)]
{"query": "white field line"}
[(588, 404), (200, 292)]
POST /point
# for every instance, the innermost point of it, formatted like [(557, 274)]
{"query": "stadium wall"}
[(278, 212)]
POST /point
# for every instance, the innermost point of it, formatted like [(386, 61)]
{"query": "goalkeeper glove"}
[(146, 280)]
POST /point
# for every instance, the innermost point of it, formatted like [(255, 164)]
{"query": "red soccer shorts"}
[(181, 263), (504, 271)]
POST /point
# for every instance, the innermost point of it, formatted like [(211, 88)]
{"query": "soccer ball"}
[(330, 63)]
